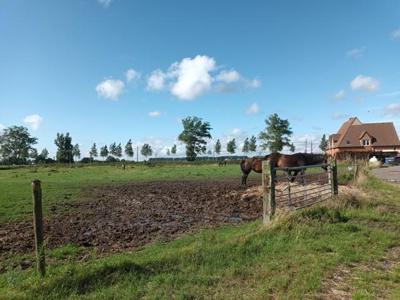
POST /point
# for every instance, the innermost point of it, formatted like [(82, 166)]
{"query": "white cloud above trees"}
[(33, 121), (365, 83), (110, 89), (253, 109), (193, 77)]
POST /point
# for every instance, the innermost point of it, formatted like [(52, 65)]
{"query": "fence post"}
[(268, 182), (335, 190), (38, 226)]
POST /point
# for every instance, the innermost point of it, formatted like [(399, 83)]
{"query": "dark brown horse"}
[(279, 160)]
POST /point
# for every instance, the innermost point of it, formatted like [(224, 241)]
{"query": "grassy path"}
[(292, 258)]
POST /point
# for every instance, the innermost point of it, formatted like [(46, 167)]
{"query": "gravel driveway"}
[(391, 174)]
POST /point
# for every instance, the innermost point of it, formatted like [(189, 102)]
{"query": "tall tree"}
[(253, 144), (277, 134), (42, 157), (246, 146), (33, 153), (104, 151), (323, 145), (76, 152), (93, 151), (118, 150), (231, 146), (129, 149), (173, 149), (194, 134), (64, 148), (16, 144), (44, 154), (217, 147), (113, 149), (168, 152), (146, 150)]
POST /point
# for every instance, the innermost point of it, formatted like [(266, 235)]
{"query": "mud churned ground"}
[(131, 215)]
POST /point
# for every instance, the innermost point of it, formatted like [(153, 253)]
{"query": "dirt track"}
[(132, 215)]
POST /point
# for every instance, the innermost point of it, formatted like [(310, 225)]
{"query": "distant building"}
[(363, 140)]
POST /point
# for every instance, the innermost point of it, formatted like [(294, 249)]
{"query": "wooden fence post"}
[(335, 189), (38, 226), (268, 182)]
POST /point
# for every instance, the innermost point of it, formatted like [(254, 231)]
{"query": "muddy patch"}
[(129, 216)]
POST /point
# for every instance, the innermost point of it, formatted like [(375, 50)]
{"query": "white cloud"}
[(393, 110), (228, 76), (364, 83), (339, 116), (132, 74), (154, 114), (253, 109), (156, 80), (2, 127), (356, 52), (104, 3), (193, 77), (110, 89), (396, 34), (33, 121), (339, 95), (236, 131), (255, 83)]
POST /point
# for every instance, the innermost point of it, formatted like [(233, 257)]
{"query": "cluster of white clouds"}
[(187, 80), (33, 121), (193, 77), (110, 89), (365, 83), (359, 83)]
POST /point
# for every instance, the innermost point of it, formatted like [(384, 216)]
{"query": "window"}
[(365, 142)]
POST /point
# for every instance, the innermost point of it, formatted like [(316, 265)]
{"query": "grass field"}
[(294, 257), (63, 183)]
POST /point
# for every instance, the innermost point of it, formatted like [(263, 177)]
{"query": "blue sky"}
[(64, 64)]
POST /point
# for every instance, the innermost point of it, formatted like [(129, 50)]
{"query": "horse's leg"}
[(293, 178), (244, 178), (302, 172)]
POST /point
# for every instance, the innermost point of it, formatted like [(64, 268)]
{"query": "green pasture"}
[(62, 183), (292, 258)]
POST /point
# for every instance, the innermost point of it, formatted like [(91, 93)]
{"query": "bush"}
[(111, 159)]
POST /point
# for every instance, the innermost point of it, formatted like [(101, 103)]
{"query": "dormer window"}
[(366, 142)]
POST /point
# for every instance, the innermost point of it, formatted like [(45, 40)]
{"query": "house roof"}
[(384, 134)]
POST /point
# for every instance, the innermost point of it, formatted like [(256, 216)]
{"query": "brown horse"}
[(279, 160)]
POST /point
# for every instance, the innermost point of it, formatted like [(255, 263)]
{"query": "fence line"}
[(304, 190)]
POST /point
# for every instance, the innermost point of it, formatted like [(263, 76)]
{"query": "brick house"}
[(363, 140)]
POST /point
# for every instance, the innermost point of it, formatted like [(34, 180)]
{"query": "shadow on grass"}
[(102, 276)]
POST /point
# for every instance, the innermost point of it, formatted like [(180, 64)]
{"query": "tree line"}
[(16, 143)]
